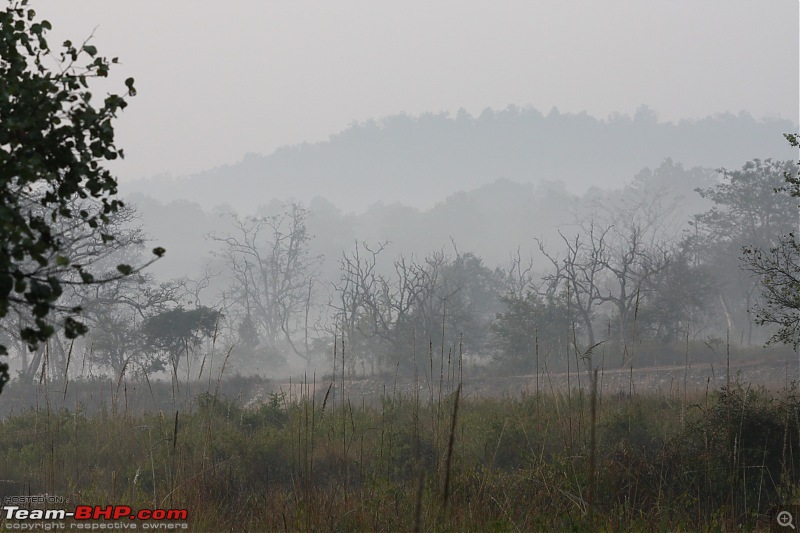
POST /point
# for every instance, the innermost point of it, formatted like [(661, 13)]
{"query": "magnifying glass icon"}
[(785, 519)]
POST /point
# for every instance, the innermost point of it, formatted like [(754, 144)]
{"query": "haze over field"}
[(454, 265), (359, 169)]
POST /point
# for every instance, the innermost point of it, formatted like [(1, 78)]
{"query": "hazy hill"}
[(491, 220), (419, 161)]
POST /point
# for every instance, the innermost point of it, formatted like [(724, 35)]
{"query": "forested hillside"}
[(419, 161)]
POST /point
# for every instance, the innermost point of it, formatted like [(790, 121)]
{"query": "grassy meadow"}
[(439, 458)]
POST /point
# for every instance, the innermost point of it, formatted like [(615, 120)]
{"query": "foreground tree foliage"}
[(54, 140), (110, 308), (777, 268), (746, 213)]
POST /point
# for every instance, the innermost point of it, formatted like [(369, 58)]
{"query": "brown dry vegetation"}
[(246, 454)]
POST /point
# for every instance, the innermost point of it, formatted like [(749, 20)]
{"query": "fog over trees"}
[(419, 161), (493, 248), (506, 239), (502, 318)]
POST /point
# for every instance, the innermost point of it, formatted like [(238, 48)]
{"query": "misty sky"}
[(219, 79)]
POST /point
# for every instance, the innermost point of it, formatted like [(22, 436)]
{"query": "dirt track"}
[(772, 373)]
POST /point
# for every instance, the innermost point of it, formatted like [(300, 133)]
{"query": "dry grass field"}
[(663, 448)]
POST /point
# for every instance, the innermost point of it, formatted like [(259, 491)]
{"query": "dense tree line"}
[(654, 261), (634, 265)]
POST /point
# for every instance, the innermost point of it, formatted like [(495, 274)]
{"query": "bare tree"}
[(273, 276), (375, 312), (631, 263), (580, 272), (607, 266), (520, 275), (434, 300), (358, 307)]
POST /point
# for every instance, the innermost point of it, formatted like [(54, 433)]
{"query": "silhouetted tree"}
[(273, 275), (610, 264), (178, 331), (531, 326), (440, 301), (746, 213), (777, 268), (53, 143), (679, 301)]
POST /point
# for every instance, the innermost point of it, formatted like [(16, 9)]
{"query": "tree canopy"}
[(777, 266), (55, 138)]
